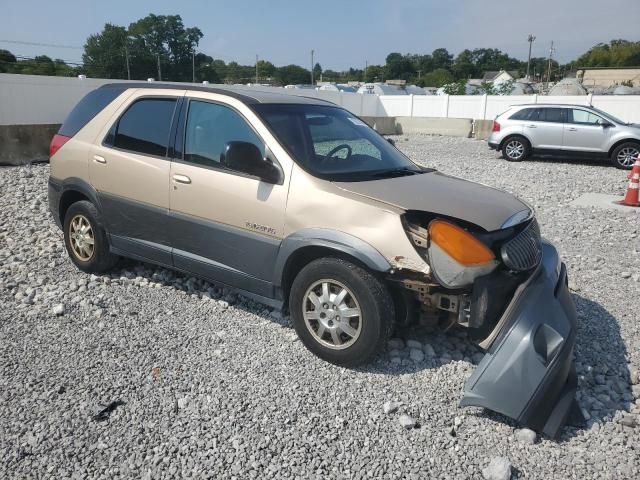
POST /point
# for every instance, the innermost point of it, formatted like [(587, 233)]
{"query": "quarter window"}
[(144, 127), (585, 118), (209, 127), (523, 114)]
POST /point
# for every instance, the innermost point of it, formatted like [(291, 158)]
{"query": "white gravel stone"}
[(406, 421), (498, 469), (391, 407), (416, 355), (526, 436), (58, 309)]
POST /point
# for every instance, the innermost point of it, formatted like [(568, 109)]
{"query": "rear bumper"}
[(493, 145), (528, 373)]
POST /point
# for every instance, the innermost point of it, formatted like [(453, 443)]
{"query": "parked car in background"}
[(565, 130), (298, 204)]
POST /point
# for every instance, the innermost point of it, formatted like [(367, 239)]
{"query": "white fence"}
[(33, 99), (484, 107)]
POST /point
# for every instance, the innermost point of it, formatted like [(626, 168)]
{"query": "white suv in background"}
[(565, 130)]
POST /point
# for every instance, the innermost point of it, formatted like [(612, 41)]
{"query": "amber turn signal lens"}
[(460, 245)]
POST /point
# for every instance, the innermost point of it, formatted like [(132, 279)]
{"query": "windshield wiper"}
[(396, 172)]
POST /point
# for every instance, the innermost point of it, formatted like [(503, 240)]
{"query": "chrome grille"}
[(524, 251)]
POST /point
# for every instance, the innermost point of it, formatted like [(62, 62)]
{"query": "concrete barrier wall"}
[(454, 127), (482, 129), (21, 144)]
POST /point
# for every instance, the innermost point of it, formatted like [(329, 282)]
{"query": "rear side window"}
[(144, 127), (523, 114), (554, 115), (87, 108)]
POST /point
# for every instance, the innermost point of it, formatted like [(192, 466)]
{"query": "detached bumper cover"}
[(528, 373)]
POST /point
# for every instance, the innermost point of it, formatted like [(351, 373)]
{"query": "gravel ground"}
[(146, 373)]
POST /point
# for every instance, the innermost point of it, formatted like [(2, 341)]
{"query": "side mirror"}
[(607, 125), (246, 157), (391, 141)]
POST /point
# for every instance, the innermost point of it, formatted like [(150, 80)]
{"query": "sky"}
[(343, 33)]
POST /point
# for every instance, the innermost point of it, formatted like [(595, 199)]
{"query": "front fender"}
[(331, 239)]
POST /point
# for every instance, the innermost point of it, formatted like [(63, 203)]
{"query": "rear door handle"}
[(99, 159), (531, 126), (181, 178), (572, 129)]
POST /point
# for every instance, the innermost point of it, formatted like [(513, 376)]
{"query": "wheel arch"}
[(304, 246), (620, 142), (75, 190), (511, 135)]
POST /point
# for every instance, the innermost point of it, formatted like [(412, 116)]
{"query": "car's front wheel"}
[(625, 155), (342, 313), (515, 149)]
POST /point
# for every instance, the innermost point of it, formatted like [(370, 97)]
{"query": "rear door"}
[(585, 131), (545, 128), (226, 225), (130, 170)]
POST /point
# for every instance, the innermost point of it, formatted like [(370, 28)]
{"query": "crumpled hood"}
[(441, 194)]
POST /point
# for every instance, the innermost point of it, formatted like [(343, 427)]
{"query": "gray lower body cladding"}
[(528, 373)]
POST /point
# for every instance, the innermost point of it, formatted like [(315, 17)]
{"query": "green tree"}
[(464, 65), (165, 39), (441, 59), (455, 88), (7, 61), (317, 71), (399, 66), (104, 53), (292, 75), (437, 78), (374, 73), (617, 53)]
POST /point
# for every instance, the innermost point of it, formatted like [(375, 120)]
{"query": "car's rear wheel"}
[(625, 155), (516, 149), (86, 239), (341, 312)]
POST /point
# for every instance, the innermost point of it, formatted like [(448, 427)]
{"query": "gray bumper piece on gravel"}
[(528, 373)]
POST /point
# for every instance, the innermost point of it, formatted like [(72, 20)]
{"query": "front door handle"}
[(99, 159), (572, 129), (531, 126), (181, 178)]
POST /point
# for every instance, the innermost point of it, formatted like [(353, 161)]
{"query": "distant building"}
[(500, 76), (608, 76)]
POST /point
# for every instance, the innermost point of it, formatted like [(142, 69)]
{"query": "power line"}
[(38, 44)]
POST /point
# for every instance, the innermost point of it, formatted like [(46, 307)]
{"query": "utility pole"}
[(193, 66), (551, 50), (312, 52), (531, 39), (126, 56), (366, 66), (256, 69), (159, 71)]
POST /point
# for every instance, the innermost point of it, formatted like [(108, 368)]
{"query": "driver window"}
[(209, 127), (340, 138), (585, 118)]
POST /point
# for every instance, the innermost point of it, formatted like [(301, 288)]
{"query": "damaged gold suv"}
[(297, 203)]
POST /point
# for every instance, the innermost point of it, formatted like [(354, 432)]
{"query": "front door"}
[(585, 131), (130, 170), (226, 225)]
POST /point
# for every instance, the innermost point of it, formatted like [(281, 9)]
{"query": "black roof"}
[(247, 95)]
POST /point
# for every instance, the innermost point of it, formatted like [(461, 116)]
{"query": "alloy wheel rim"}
[(515, 149), (81, 238), (332, 314), (627, 156)]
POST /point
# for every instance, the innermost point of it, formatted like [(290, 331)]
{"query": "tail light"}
[(496, 127), (56, 143)]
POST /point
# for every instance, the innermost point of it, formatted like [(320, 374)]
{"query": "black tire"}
[(376, 321), (101, 259), (624, 155), (516, 148)]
